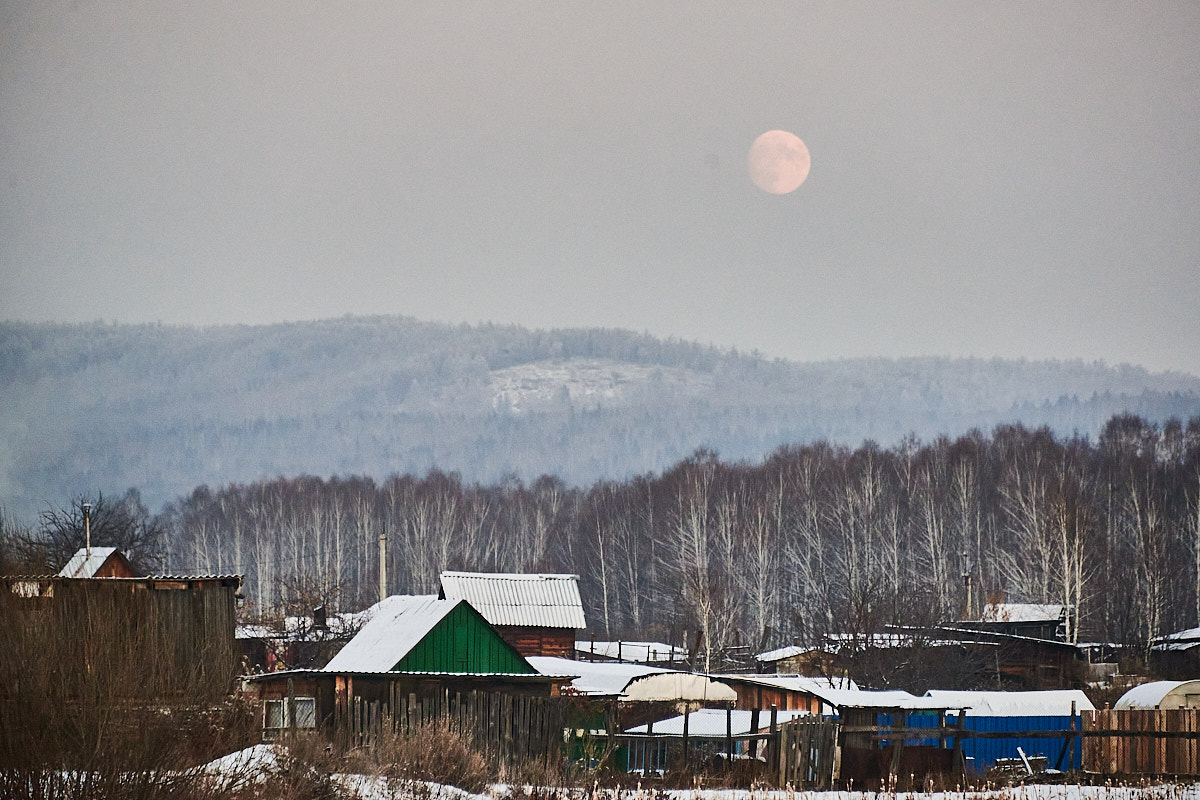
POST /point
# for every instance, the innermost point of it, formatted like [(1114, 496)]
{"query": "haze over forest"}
[(164, 409)]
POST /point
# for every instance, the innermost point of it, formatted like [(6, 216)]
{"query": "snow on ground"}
[(260, 761)]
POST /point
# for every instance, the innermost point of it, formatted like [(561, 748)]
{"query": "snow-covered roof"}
[(793, 683), (632, 651), (543, 601), (1150, 695), (781, 653), (674, 686), (1055, 703), (397, 624), (1178, 641), (1023, 612), (83, 566), (883, 641), (712, 723), (602, 678), (859, 698)]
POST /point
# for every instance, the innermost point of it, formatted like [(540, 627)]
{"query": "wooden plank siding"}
[(172, 635), (538, 641)]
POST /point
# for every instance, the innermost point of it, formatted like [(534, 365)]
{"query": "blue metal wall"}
[(983, 753)]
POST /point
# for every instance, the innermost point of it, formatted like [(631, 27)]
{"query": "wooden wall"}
[(531, 641)]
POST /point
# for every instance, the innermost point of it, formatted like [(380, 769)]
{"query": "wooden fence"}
[(1142, 742), (507, 727)]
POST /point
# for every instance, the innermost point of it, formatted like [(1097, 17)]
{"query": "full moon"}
[(778, 162)]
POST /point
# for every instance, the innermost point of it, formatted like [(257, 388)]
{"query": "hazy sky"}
[(1005, 178)]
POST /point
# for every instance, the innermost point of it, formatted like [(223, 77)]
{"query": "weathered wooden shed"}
[(167, 635), (538, 614)]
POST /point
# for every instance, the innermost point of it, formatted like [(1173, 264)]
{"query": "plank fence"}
[(1142, 742), (510, 728)]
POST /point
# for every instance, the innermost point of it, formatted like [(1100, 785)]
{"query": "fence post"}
[(728, 738), (687, 710)]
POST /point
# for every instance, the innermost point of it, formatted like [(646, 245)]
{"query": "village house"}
[(1049, 621), (539, 615), (1177, 655), (416, 659), (97, 562)]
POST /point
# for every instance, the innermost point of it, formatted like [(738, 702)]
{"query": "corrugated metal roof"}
[(83, 566), (395, 627), (540, 601)]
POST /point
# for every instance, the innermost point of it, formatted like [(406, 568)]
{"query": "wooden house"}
[(416, 658), (1177, 655), (97, 562), (1047, 621), (539, 615), (796, 660)]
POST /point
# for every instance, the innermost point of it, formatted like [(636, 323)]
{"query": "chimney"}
[(382, 566)]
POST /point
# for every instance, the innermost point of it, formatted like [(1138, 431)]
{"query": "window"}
[(303, 710)]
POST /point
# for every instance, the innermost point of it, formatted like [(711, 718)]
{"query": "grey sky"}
[(1014, 179)]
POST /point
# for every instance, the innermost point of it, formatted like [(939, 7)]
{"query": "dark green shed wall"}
[(464, 642)]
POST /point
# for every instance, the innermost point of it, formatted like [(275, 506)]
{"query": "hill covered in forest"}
[(98, 406)]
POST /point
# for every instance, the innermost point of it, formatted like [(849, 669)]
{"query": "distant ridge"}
[(166, 408)]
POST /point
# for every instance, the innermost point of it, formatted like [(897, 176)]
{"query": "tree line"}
[(815, 539)]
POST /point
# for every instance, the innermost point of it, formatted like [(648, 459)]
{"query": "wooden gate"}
[(805, 752)]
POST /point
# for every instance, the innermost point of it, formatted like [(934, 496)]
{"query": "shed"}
[(1050, 703), (1161, 695), (796, 660), (785, 692), (97, 562), (175, 633), (538, 614), (1013, 712)]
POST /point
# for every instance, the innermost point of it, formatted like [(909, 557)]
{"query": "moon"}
[(778, 162)]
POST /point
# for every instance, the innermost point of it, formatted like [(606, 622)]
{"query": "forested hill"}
[(163, 409)]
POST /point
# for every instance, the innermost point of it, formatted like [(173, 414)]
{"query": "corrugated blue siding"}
[(983, 753)]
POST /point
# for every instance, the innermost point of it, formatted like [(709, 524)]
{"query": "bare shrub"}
[(434, 752)]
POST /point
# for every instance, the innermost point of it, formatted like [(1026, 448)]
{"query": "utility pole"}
[(87, 530)]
